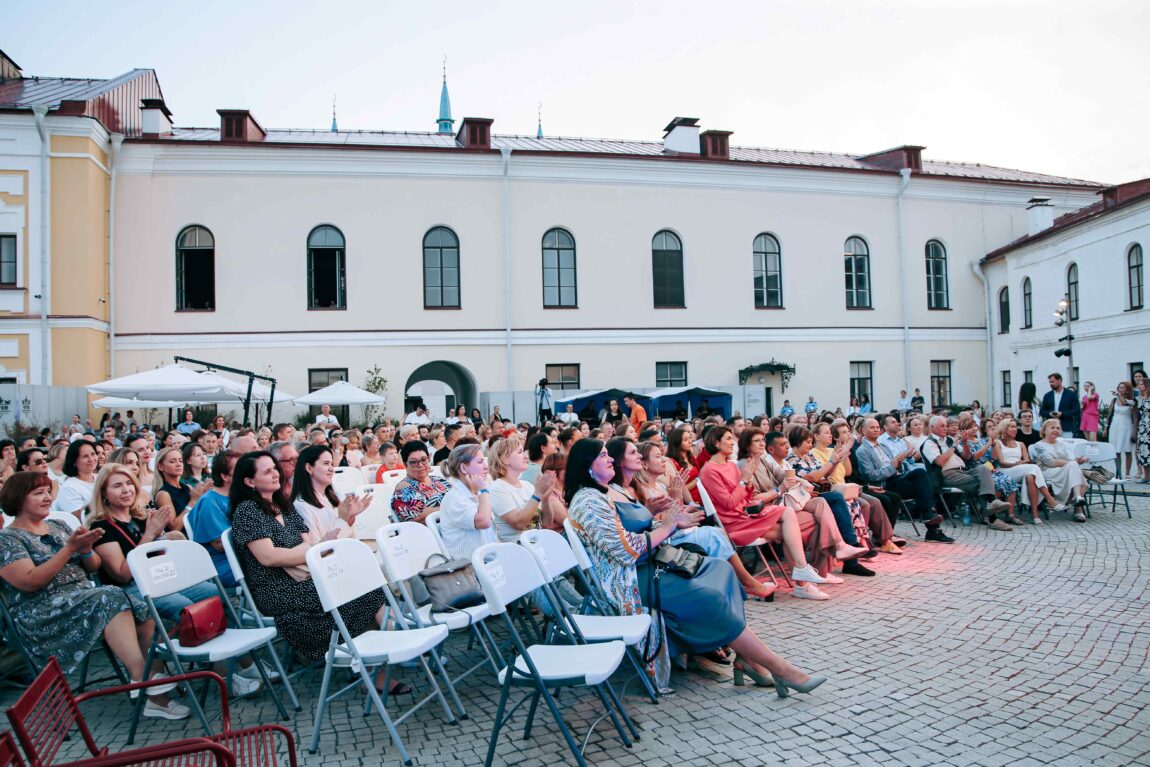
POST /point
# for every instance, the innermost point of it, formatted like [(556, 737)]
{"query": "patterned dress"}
[(1002, 481), (66, 618), (411, 498), (1144, 431)]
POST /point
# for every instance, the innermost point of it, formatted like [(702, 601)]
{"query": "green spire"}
[(444, 121)]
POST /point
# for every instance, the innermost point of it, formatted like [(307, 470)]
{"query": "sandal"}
[(397, 688), (1014, 520), (718, 656)]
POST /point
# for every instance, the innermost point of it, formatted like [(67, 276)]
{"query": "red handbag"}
[(201, 622)]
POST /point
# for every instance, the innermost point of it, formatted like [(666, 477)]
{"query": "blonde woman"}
[(516, 503), (466, 519), (1063, 472), (1014, 460)]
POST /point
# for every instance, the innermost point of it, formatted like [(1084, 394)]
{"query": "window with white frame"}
[(1134, 282), (670, 374)]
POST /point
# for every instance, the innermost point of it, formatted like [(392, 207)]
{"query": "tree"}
[(376, 384)]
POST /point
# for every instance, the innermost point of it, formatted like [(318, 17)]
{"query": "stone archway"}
[(452, 375)]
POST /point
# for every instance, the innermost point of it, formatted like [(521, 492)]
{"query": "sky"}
[(1054, 86)]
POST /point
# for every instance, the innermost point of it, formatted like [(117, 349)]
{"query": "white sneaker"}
[(251, 672), (158, 689), (807, 574), (1061, 507), (171, 711), (242, 686), (833, 579), (997, 505), (810, 591)]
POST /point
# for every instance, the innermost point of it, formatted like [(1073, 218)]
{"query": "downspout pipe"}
[(505, 151), (39, 114), (976, 267), (904, 182), (117, 142)]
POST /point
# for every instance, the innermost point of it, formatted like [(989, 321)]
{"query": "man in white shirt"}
[(325, 420), (569, 417), (419, 417), (942, 451)]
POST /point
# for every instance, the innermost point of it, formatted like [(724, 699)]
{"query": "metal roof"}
[(625, 148), (27, 92)]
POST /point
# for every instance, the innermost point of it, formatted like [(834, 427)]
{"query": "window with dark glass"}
[(318, 378), (940, 383), (856, 264), (564, 375), (1028, 376), (441, 269), (195, 270), (667, 270), (559, 280), (937, 285), (1072, 290), (670, 374), (1027, 304), (1004, 310), (8, 260), (768, 264), (1006, 388), (862, 381), (1134, 281), (326, 269)]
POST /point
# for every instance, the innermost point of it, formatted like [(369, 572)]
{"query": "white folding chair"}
[(432, 521), (1103, 454), (556, 558), (346, 480), (404, 549), (344, 570), (378, 511), (757, 544), (161, 568), (508, 572), (369, 473), (67, 518)]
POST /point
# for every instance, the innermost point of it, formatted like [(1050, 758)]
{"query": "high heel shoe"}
[(783, 687), (768, 590), (760, 680)]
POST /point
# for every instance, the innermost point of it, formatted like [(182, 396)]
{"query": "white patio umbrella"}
[(341, 393), (261, 391), (121, 403), (170, 383)]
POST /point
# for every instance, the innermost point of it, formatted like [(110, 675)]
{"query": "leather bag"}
[(451, 584), (200, 622)]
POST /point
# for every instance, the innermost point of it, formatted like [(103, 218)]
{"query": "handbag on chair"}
[(451, 584), (201, 622)]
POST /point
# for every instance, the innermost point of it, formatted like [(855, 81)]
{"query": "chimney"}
[(905, 156), (715, 144), (9, 69), (474, 133), (239, 125), (1116, 195), (155, 119), (1039, 215), (682, 136)]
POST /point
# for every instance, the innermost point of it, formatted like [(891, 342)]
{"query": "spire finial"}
[(334, 125), (539, 129), (445, 68), (444, 120)]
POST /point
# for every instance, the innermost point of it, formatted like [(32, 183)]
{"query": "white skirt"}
[(1019, 474), (1064, 480)]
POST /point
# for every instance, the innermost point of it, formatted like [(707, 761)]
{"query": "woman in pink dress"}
[(1089, 425)]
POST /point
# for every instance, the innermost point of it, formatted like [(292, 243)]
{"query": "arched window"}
[(667, 270), (1004, 310), (768, 263), (937, 286), (856, 264), (1134, 281), (1072, 289), (559, 279), (1027, 304), (195, 270), (441, 269), (326, 272)]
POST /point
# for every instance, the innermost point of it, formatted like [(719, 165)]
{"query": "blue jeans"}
[(842, 514), (169, 607)]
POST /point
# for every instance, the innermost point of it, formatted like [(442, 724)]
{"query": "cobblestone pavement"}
[(1021, 648)]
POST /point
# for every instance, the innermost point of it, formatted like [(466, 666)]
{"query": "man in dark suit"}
[(1061, 403)]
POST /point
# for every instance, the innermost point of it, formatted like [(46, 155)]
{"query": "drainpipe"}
[(117, 141), (903, 184), (976, 267), (506, 152), (39, 113)]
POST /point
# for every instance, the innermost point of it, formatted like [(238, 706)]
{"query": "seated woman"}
[(977, 447), (34, 459), (56, 609), (271, 538), (516, 504), (731, 493), (554, 507), (1013, 458), (466, 520), (640, 500), (80, 474), (1063, 472), (701, 614), (168, 488), (196, 468), (419, 493), (326, 516), (679, 444)]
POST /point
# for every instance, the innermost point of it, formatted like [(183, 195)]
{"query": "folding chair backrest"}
[(369, 473), (346, 480), (552, 553), (432, 521), (577, 547), (404, 548), (343, 570), (1095, 452), (378, 511), (164, 567), (392, 476), (9, 752), (65, 517), (506, 572), (44, 715), (705, 497), (233, 558)]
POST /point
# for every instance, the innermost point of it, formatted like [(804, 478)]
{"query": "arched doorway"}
[(440, 385)]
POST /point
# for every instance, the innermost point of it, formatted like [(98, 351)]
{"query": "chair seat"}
[(566, 665), (229, 644), (377, 647), (630, 629), (455, 620)]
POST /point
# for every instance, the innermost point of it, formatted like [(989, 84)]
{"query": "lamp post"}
[(1062, 317)]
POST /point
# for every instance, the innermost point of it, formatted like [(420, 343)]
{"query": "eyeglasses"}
[(418, 461), (289, 460), (38, 462)]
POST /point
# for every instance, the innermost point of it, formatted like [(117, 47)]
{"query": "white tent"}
[(121, 403), (261, 391), (170, 383), (341, 393)]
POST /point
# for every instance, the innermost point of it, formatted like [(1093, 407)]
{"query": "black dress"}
[(295, 606)]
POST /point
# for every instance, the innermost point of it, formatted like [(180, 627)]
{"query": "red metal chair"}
[(196, 752), (47, 712)]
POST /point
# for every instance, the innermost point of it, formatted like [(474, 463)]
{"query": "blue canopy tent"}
[(664, 402), (589, 403)]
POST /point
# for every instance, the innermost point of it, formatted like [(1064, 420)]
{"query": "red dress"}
[(693, 474), (729, 498)]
